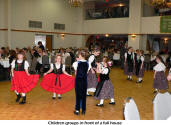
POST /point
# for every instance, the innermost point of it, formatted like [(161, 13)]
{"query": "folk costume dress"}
[(81, 67), (92, 78), (105, 89), (57, 81), (21, 82), (160, 80), (140, 70), (129, 66)]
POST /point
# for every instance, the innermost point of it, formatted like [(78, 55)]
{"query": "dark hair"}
[(160, 58), (25, 49), (13, 53), (39, 42), (129, 48)]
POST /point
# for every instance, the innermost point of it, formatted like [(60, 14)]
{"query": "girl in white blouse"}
[(57, 80), (160, 80)]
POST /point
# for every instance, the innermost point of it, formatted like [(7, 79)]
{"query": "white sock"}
[(139, 79), (54, 95), (59, 95), (88, 93), (23, 94), (16, 92), (112, 100), (101, 101), (130, 77)]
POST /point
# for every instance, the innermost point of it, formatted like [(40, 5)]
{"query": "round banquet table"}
[(5, 63)]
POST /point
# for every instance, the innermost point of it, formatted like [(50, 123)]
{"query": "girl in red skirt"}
[(22, 81), (57, 80)]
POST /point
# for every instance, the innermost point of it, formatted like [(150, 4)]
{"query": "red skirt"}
[(58, 84), (23, 83)]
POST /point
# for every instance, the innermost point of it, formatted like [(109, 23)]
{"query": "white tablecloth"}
[(5, 63)]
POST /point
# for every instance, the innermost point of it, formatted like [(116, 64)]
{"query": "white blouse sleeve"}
[(13, 64), (133, 55), (125, 55), (142, 58), (91, 59), (26, 65), (75, 65), (63, 68), (104, 70), (51, 66)]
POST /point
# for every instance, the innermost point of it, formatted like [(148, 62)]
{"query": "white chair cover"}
[(169, 118), (162, 106), (130, 110)]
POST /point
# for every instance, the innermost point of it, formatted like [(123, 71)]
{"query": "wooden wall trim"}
[(3, 29), (68, 33)]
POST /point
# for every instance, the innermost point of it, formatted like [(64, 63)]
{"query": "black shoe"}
[(24, 100), (139, 81), (155, 92), (18, 98), (53, 98), (89, 95), (83, 112), (76, 113), (128, 79), (59, 97), (100, 105), (112, 103)]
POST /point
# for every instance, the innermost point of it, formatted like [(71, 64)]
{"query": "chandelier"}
[(159, 4), (76, 3)]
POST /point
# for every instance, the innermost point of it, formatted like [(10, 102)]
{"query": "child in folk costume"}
[(140, 66), (57, 80), (81, 68), (169, 75), (160, 80), (22, 81), (104, 88), (129, 63), (92, 78)]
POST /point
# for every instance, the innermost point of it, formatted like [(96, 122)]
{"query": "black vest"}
[(139, 60), (104, 77), (130, 58), (19, 66), (138, 65), (82, 70), (57, 71)]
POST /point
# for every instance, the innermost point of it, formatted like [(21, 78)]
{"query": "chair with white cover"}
[(162, 106), (130, 110)]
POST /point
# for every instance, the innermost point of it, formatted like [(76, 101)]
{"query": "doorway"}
[(47, 41)]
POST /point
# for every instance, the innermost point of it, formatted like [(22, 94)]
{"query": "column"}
[(135, 14), (9, 24), (143, 42)]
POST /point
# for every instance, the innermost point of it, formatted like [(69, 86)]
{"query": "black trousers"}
[(80, 92)]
